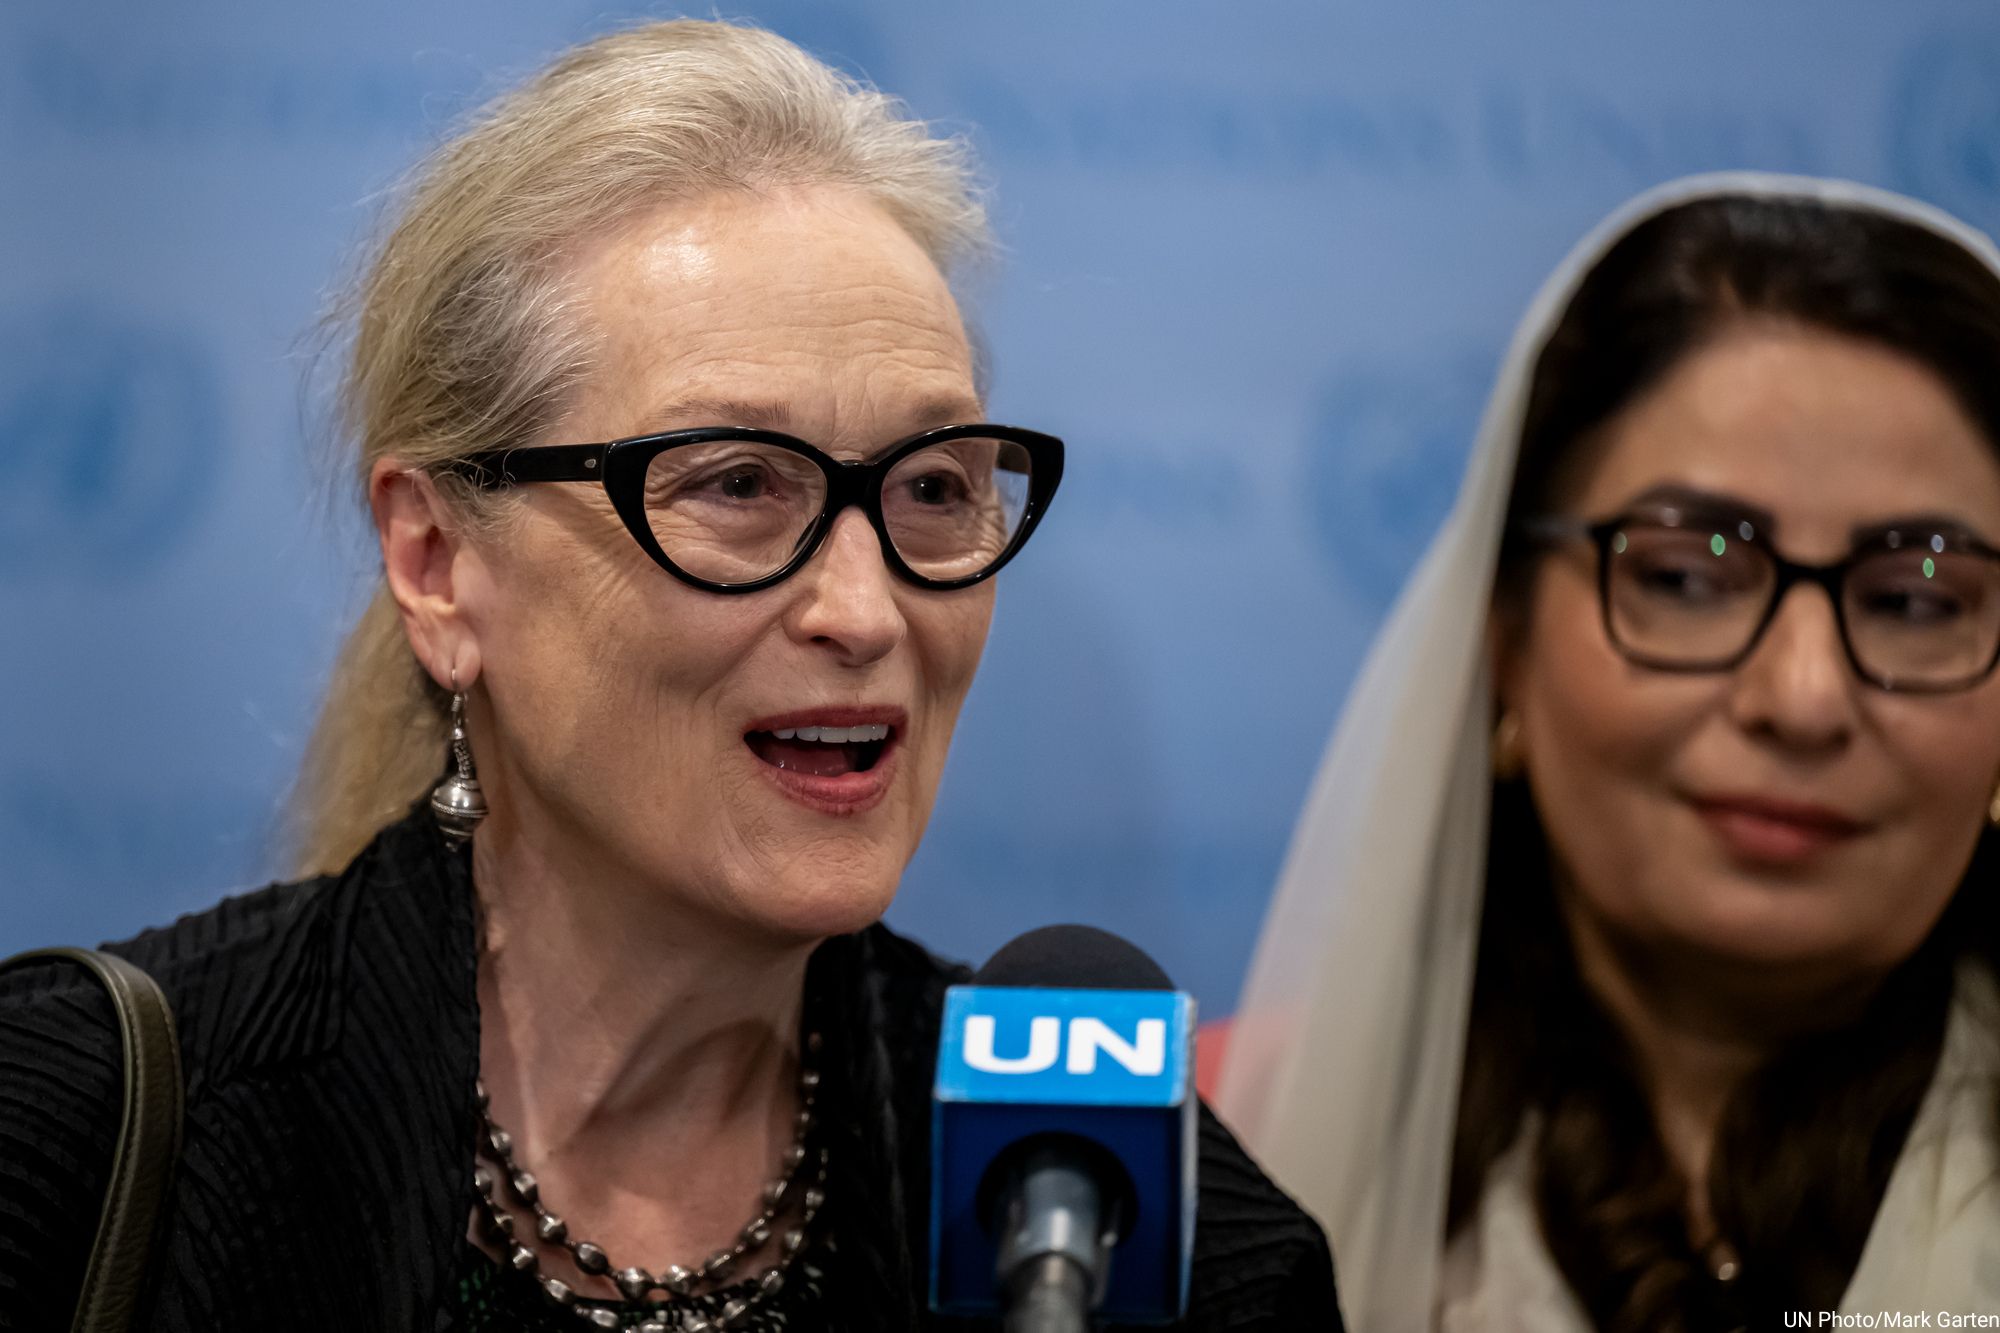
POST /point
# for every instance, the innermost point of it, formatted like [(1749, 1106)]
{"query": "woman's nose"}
[(846, 598), (1797, 686)]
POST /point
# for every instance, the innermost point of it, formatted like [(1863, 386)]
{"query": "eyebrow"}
[(776, 414), (1721, 506), (1945, 524), (705, 411), (1705, 504)]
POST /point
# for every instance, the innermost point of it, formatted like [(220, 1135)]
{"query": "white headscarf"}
[(1343, 1063)]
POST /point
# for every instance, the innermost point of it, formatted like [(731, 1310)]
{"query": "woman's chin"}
[(806, 907), (1797, 926)]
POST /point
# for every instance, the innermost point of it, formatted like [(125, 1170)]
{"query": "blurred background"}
[(1260, 261)]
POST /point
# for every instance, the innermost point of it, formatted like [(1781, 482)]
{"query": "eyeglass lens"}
[(735, 511), (1923, 616)]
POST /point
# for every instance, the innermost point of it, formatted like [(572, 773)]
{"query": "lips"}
[(836, 760), (1774, 830)]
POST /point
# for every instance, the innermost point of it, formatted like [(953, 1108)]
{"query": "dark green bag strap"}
[(149, 1140)]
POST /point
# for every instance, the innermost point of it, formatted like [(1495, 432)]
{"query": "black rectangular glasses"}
[(1918, 608), (733, 509)]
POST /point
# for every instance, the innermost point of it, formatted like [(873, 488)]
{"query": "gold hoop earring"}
[(1509, 753), (457, 803)]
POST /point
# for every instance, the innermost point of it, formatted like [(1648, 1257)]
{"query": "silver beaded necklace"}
[(638, 1284)]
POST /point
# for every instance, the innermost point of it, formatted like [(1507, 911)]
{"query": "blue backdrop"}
[(1261, 258)]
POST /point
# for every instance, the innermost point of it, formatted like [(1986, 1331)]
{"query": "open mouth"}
[(822, 752)]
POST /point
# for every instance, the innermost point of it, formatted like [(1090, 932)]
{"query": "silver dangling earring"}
[(1509, 753), (457, 803)]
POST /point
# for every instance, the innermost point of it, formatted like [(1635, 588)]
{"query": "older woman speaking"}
[(669, 426)]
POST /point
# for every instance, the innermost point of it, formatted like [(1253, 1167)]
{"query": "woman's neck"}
[(1699, 1027), (642, 1056)]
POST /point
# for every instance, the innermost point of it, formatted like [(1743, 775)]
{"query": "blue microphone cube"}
[(1114, 1067)]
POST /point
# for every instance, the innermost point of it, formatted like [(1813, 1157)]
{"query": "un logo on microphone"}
[(110, 439), (1944, 124)]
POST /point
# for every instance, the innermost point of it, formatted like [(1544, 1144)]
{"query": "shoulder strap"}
[(149, 1139)]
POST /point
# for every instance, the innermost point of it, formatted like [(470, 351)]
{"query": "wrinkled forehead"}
[(811, 312)]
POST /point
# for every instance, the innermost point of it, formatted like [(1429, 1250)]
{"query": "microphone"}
[(1063, 1138)]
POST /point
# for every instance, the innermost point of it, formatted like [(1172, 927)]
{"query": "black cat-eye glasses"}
[(732, 509)]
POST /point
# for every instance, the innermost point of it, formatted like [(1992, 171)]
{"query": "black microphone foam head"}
[(1073, 958)]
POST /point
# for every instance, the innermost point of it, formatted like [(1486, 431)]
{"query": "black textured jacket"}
[(330, 1034)]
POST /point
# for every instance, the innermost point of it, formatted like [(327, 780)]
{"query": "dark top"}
[(330, 1036)]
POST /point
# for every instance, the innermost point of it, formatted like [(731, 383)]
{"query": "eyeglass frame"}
[(1786, 574), (620, 467)]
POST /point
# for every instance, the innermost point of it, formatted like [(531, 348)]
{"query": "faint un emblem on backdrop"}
[(110, 439), (1383, 463), (1944, 124)]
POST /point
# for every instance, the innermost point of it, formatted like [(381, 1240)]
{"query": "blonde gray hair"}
[(463, 335)]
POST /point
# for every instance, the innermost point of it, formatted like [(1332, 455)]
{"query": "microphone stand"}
[(1048, 1294), (1055, 1248)]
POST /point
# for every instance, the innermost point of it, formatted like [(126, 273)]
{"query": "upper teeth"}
[(834, 735)]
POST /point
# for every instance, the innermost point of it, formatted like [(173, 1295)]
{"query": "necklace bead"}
[(637, 1284)]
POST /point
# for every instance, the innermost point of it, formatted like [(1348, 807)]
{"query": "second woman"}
[(1704, 1031)]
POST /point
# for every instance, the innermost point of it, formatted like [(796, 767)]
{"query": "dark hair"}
[(1807, 1144), (1679, 279)]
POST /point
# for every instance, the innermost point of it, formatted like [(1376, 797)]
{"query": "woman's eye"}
[(936, 488), (744, 482), (1926, 605), (1687, 582)]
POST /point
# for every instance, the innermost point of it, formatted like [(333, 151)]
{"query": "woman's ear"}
[(421, 562), (1506, 634), (1504, 643)]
